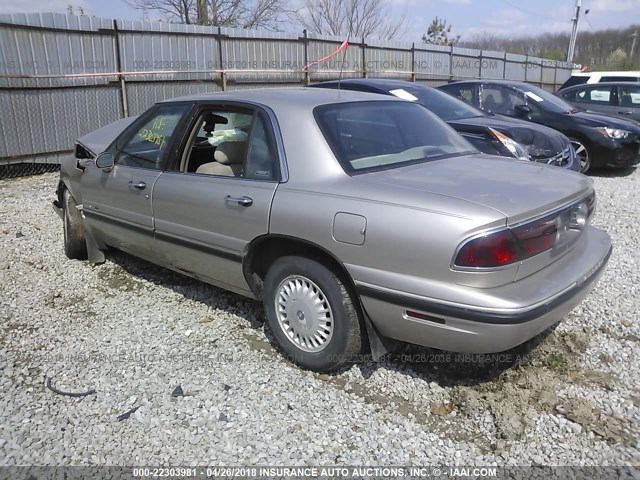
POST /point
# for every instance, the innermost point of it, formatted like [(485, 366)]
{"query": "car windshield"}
[(546, 100), (367, 136), (442, 104)]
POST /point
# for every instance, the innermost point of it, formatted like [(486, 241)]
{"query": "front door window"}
[(149, 144), (595, 96), (501, 100)]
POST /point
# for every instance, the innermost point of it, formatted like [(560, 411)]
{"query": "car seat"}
[(229, 159), (490, 103)]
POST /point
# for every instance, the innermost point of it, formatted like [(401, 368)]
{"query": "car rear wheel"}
[(311, 314), (583, 154), (75, 246)]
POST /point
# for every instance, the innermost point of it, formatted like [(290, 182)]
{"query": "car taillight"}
[(536, 237), (515, 244), (492, 250)]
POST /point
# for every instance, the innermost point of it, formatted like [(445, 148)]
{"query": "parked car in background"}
[(492, 134), (581, 78), (348, 214), (621, 99), (599, 140)]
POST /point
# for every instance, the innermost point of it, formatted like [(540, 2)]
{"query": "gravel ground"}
[(134, 332)]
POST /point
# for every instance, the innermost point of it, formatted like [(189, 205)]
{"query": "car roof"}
[(373, 82), (608, 74), (508, 83), (601, 84), (295, 97)]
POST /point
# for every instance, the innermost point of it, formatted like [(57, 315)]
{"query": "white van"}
[(597, 77)]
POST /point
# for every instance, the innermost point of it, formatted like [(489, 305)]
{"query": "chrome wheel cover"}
[(304, 313)]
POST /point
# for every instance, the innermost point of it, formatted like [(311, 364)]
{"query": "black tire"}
[(345, 341), (583, 153), (75, 246)]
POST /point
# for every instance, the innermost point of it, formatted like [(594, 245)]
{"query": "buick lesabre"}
[(355, 218)]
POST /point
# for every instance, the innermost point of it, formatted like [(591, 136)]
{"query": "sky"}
[(467, 17)]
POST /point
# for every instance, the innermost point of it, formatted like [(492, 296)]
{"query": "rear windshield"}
[(574, 80), (546, 100), (368, 136), (442, 104)]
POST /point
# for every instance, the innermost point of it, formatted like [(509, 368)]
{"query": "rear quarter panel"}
[(405, 247)]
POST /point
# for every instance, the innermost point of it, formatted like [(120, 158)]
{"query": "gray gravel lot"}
[(133, 332)]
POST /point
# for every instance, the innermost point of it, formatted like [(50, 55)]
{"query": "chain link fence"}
[(26, 169)]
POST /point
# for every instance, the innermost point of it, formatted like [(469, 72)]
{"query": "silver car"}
[(356, 218)]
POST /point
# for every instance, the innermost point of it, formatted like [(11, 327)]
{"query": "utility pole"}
[(574, 32), (633, 46)]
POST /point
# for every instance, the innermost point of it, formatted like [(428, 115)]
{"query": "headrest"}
[(230, 153)]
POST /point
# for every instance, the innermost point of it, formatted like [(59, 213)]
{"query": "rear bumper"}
[(473, 329)]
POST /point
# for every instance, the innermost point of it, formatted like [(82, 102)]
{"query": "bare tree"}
[(485, 41), (179, 11), (351, 18), (269, 14)]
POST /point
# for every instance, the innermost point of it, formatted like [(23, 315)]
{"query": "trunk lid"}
[(518, 190)]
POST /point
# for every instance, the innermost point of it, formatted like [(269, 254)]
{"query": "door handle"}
[(242, 201), (138, 185), (623, 112)]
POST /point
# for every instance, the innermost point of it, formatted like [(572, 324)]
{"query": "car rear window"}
[(574, 80), (442, 104), (368, 136)]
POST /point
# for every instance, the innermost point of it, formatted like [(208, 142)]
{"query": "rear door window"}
[(629, 96), (220, 143), (235, 142)]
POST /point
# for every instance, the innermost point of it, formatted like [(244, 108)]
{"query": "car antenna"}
[(344, 46)]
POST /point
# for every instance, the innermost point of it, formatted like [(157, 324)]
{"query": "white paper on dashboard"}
[(400, 93), (534, 96)]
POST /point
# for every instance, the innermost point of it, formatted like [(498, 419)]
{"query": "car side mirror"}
[(522, 109), (105, 160)]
